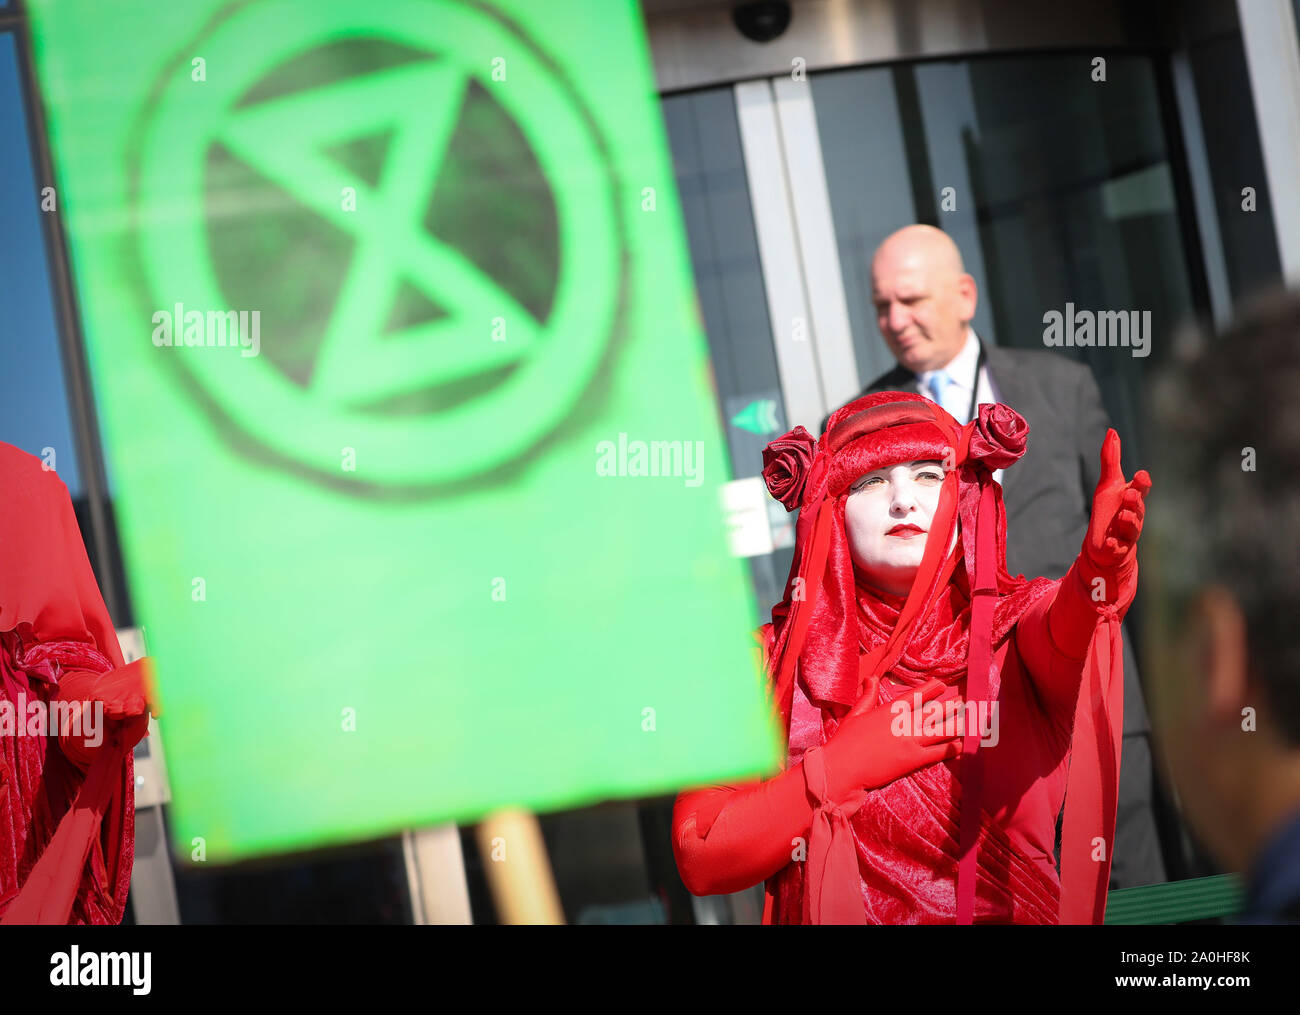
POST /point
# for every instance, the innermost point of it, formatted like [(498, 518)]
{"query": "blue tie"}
[(938, 385)]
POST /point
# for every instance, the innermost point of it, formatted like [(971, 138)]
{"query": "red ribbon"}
[(978, 660), (802, 610), (834, 893), (1092, 794)]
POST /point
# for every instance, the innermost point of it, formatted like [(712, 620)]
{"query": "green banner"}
[(413, 440)]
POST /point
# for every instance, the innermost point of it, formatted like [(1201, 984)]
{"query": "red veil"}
[(66, 835), (831, 642)]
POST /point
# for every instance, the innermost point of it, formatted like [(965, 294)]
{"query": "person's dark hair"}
[(1225, 500)]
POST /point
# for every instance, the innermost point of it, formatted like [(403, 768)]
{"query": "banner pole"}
[(517, 868)]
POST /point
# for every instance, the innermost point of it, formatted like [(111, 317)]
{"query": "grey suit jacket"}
[(1048, 493)]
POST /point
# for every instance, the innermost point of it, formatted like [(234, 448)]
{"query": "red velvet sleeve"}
[(119, 694), (76, 689), (728, 838), (1053, 635)]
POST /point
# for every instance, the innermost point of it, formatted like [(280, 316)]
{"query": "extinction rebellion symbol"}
[(435, 248)]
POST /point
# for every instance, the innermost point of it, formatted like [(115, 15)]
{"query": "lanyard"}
[(975, 388)]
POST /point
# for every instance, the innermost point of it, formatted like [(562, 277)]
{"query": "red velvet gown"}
[(66, 814), (905, 834)]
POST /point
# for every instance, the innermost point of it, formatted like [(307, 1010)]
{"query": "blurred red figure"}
[(899, 598), (67, 802)]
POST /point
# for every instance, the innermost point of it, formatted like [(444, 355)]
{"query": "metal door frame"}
[(797, 248)]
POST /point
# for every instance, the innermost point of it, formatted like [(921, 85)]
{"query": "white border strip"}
[(1198, 172), (778, 252), (817, 246), (1268, 30)]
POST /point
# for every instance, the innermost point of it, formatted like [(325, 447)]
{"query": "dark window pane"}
[(869, 181), (1062, 186), (1235, 159)]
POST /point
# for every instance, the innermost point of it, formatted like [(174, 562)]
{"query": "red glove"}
[(124, 693), (729, 838), (865, 753), (1105, 572), (1118, 508)]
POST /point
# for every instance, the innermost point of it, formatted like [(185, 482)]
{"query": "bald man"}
[(924, 302)]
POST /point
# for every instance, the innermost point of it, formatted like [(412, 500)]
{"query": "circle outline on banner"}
[(472, 438)]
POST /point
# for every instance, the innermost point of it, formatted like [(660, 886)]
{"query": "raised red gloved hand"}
[(1105, 572), (125, 693), (1118, 509), (728, 838)]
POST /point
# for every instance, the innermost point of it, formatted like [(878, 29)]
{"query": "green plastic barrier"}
[(1177, 901)]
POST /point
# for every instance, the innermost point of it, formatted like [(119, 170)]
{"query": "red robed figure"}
[(866, 826), (67, 806)]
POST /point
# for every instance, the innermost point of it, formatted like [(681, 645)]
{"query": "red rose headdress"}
[(813, 476)]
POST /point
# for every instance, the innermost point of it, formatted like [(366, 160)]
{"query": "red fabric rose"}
[(999, 436), (786, 463)]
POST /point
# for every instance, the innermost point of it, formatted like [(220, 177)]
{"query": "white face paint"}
[(887, 517)]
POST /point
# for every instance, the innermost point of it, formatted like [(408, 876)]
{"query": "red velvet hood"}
[(816, 623)]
